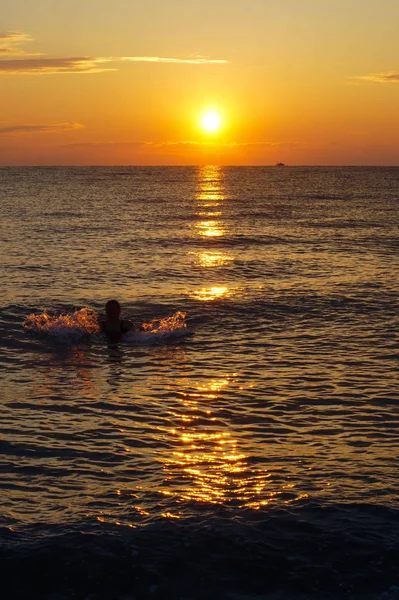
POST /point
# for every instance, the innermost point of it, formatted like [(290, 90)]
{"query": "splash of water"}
[(64, 327), (76, 326), (156, 330)]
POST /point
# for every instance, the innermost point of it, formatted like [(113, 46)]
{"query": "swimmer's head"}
[(113, 309)]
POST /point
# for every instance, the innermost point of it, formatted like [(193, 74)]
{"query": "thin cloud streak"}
[(53, 66), (13, 39), (85, 64), (183, 144), (391, 77), (196, 60), (11, 130), (216, 144), (4, 51)]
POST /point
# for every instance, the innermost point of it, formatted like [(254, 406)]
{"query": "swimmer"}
[(113, 326)]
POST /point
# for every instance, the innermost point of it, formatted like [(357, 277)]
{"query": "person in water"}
[(113, 326)]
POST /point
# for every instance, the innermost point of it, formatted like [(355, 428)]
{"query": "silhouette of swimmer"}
[(113, 326)]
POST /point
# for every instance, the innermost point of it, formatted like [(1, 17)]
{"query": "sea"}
[(242, 442)]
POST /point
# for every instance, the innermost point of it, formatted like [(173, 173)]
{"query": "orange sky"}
[(303, 82)]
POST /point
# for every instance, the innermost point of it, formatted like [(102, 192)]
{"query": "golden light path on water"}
[(210, 198), (208, 463)]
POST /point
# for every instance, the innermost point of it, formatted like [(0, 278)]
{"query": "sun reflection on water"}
[(210, 229), (213, 259), (207, 463), (210, 198), (211, 225), (212, 293), (210, 465)]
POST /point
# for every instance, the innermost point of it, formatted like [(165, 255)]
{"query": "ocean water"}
[(246, 444)]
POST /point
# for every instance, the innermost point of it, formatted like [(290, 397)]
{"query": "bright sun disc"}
[(211, 121)]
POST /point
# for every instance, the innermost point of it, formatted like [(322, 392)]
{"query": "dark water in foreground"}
[(256, 458)]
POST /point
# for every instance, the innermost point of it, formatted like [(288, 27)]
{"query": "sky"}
[(101, 82)]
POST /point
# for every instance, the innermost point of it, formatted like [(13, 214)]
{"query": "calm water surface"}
[(256, 456)]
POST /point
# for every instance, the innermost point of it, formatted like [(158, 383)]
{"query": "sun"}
[(211, 121)]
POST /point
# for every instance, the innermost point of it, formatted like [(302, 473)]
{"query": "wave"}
[(84, 323)]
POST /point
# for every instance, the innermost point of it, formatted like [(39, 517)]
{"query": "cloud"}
[(260, 144), (105, 144), (195, 60), (392, 77), (52, 66), (15, 37), (18, 129), (84, 64), (9, 51), (9, 42), (182, 144), (220, 145)]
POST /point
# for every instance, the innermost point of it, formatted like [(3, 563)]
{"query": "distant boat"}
[(280, 164)]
